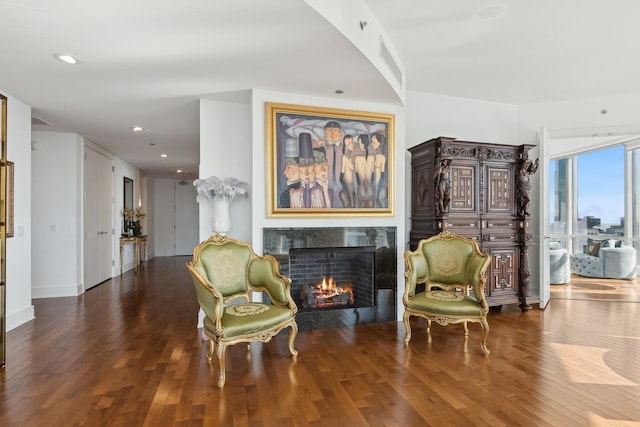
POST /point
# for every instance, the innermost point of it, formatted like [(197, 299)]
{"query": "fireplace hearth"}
[(340, 276)]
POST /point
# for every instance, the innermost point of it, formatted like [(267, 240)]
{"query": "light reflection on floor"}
[(586, 365)]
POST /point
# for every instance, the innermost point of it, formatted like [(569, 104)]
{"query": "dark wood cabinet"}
[(476, 190)]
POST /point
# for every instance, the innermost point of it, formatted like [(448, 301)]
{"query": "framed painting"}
[(329, 162)]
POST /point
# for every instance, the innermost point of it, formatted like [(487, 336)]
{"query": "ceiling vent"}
[(386, 57), (37, 121)]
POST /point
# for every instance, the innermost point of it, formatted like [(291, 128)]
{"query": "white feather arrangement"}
[(214, 188)]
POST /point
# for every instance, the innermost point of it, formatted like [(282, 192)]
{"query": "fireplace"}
[(335, 277), (340, 276)]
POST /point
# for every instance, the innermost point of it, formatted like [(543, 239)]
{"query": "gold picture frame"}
[(329, 162), (10, 166)]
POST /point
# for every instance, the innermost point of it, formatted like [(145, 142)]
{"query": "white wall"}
[(581, 117), (56, 214), (430, 116), (147, 200), (163, 208), (226, 150), (19, 308)]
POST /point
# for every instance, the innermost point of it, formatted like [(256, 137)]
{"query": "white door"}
[(542, 231), (98, 218), (186, 218)]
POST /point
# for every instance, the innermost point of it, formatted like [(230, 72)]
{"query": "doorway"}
[(176, 217), (98, 218), (591, 196), (186, 217)]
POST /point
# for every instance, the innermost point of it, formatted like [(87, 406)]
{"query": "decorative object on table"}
[(221, 192), (132, 221), (137, 223), (128, 219)]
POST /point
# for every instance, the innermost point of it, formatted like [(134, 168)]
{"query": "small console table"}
[(139, 249)]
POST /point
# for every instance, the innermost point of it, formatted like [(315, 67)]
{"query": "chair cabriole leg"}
[(485, 333), (221, 373), (407, 327), (292, 338)]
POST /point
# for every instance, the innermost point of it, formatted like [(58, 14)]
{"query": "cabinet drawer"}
[(500, 225), (498, 238), (461, 225)]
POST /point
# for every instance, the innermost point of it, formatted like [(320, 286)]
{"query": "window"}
[(600, 191), (587, 197), (559, 195)]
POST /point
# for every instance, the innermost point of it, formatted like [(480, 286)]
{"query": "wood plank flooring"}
[(127, 353), (591, 288)]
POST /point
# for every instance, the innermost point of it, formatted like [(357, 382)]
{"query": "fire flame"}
[(329, 289)]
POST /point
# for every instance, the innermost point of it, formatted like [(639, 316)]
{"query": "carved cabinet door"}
[(502, 274), (499, 197), (464, 188)]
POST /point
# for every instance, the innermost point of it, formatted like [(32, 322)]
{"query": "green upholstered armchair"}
[(225, 273), (449, 265)]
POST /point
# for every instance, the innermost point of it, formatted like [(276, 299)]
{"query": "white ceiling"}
[(148, 62)]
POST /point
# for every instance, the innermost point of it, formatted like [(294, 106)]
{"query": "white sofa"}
[(607, 259)]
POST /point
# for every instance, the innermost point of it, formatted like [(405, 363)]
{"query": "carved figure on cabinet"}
[(442, 187), (527, 168)]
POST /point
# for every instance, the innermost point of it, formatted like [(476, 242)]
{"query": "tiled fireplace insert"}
[(340, 276)]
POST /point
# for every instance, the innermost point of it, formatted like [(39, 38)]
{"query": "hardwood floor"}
[(590, 288), (127, 353)]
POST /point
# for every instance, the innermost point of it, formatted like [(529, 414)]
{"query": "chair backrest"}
[(224, 262), (448, 259)]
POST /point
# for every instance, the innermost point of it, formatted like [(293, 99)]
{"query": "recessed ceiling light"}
[(339, 91), (179, 171), (163, 155), (137, 128), (491, 12), (69, 59)]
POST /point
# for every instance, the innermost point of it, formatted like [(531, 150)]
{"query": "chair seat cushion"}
[(446, 303), (249, 318)]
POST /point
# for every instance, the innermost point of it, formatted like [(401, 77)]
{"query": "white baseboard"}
[(56, 291), (20, 318)]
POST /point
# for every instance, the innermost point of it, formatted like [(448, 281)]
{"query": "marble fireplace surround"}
[(279, 241)]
